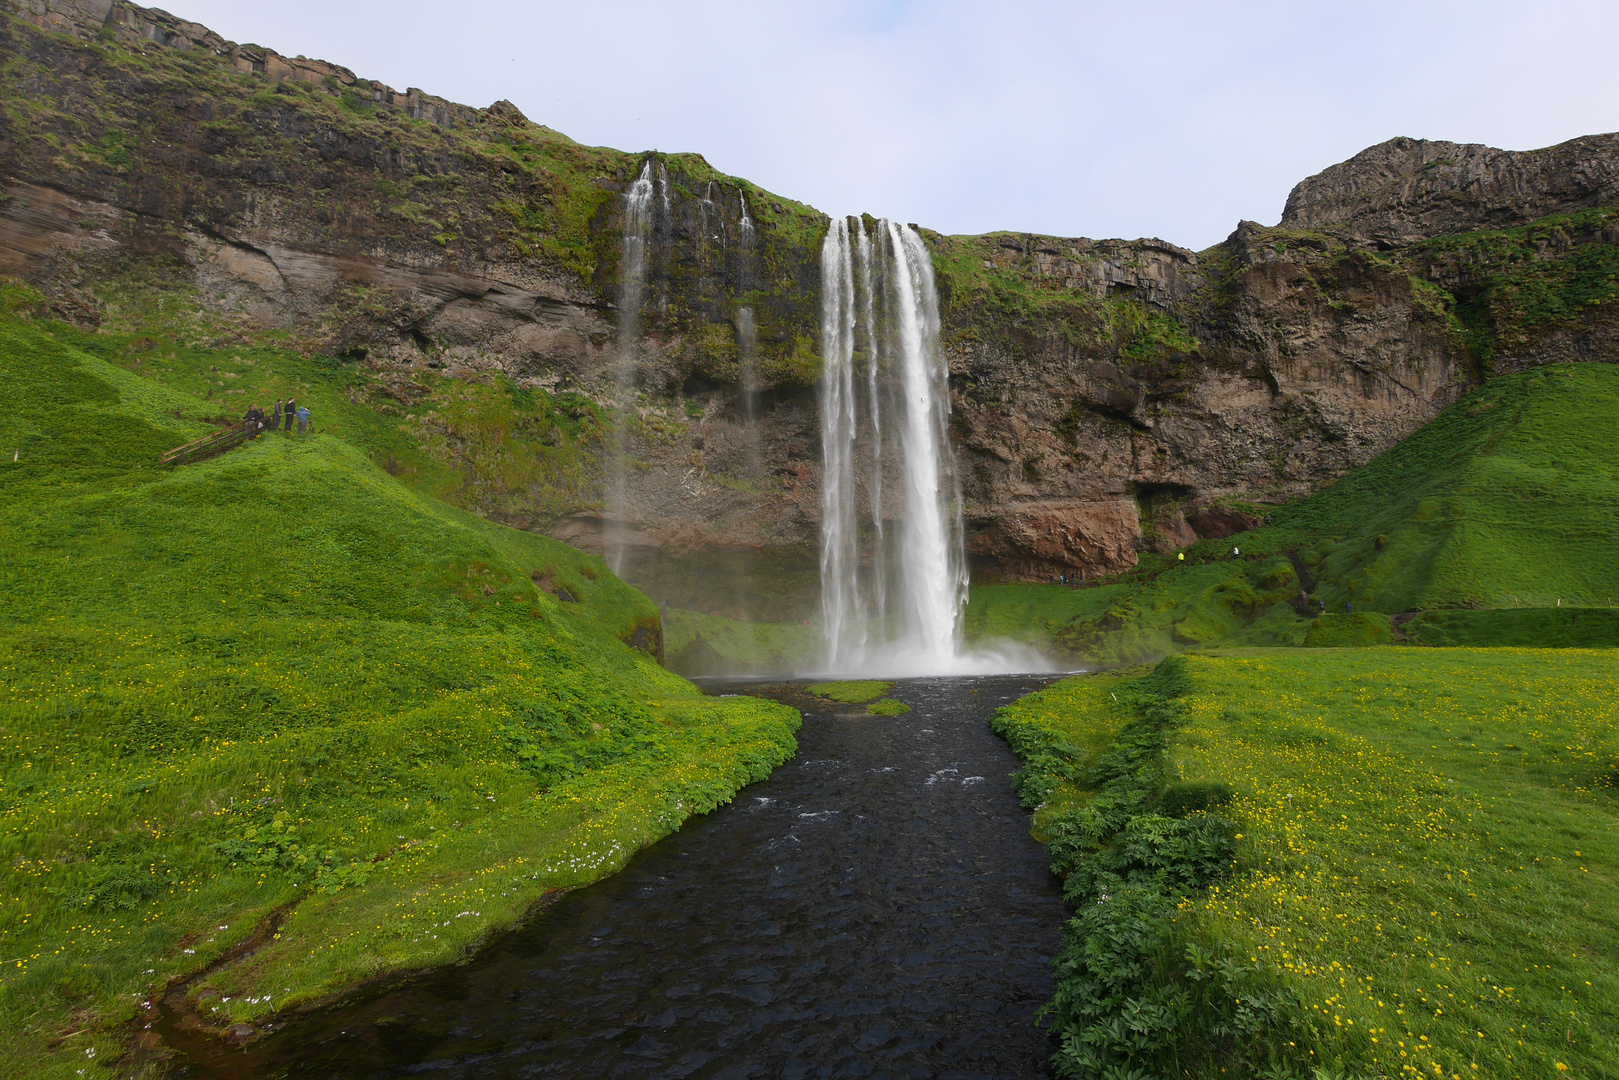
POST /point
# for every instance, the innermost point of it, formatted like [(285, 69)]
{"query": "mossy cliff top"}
[(128, 106)]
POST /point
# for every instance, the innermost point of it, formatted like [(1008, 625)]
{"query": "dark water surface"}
[(875, 909)]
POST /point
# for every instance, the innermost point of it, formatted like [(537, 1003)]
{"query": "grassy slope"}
[(1507, 500), (281, 677), (480, 442), (1427, 862)]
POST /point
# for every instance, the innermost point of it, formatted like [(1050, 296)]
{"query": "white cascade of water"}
[(891, 597), (841, 599), (931, 555), (638, 210), (874, 413), (883, 287)]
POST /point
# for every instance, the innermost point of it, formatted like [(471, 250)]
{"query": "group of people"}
[(258, 420)]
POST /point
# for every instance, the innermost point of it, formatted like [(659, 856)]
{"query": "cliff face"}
[(1106, 393), (1405, 190), (1101, 422)]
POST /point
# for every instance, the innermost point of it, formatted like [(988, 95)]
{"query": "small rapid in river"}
[(875, 909)]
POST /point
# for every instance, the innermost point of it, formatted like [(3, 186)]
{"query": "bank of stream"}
[(875, 908)]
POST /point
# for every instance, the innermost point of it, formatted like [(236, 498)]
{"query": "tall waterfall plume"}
[(891, 599), (638, 209)]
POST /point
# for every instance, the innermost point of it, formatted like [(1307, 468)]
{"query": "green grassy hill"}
[(1510, 498), (1503, 514), (281, 680)]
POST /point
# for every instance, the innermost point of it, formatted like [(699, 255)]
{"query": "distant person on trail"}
[(275, 415), (292, 410), (303, 419), (254, 421), (1349, 609)]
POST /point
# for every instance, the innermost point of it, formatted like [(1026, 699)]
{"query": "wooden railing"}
[(208, 445)]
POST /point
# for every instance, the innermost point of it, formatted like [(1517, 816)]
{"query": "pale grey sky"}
[(1171, 119)]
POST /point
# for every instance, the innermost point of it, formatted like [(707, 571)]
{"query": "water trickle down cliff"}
[(638, 210), (890, 601), (747, 339)]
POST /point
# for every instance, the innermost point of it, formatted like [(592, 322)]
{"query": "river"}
[(875, 909)]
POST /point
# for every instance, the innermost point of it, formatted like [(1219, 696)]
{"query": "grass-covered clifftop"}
[(1508, 286), (1376, 863), (282, 681)]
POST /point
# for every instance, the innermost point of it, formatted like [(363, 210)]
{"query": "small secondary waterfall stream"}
[(889, 604), (638, 209)]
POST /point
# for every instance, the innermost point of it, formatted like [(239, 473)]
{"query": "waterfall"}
[(868, 320), (632, 287), (889, 604), (840, 585)]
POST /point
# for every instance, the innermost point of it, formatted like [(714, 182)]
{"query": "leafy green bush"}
[(1179, 800)]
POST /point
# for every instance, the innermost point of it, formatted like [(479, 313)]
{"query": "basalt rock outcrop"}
[(1405, 190), (1109, 396)]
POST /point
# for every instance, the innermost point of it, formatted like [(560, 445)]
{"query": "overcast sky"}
[(1122, 119)]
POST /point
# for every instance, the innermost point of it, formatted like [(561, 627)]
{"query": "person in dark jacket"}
[(292, 412), (275, 415), (254, 420)]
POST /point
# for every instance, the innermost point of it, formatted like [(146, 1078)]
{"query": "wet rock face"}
[(1040, 541), (1108, 396), (1219, 522), (1405, 190)]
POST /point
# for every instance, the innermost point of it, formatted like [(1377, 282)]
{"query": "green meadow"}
[(282, 681), (1369, 862)]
